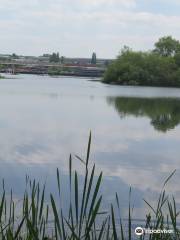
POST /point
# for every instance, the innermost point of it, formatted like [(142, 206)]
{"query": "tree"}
[(93, 59), (54, 58), (177, 59), (14, 55), (46, 55), (62, 60), (160, 67), (167, 46), (125, 50)]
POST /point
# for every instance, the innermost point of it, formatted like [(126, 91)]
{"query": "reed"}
[(30, 218)]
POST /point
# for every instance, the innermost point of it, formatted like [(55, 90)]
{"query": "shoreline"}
[(92, 78)]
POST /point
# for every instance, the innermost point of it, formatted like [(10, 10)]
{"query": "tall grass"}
[(85, 218)]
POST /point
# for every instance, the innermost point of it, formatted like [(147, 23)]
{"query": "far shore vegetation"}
[(0, 74), (158, 67)]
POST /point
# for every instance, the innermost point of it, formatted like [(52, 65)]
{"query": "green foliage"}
[(40, 219), (14, 56), (54, 58), (93, 59), (58, 70), (1, 77), (160, 67), (177, 59), (164, 113), (167, 46), (62, 60)]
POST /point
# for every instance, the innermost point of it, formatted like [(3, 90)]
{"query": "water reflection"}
[(42, 120), (164, 113)]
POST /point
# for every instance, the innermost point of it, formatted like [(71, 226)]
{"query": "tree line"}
[(55, 58), (158, 67)]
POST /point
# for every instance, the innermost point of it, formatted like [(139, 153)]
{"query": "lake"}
[(135, 135)]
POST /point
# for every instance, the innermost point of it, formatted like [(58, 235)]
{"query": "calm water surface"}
[(136, 134)]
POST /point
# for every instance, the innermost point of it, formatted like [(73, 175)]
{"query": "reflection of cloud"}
[(27, 149), (38, 133), (143, 178)]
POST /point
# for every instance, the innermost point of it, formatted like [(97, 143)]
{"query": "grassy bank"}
[(85, 219)]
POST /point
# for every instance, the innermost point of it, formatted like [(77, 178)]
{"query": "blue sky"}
[(76, 28)]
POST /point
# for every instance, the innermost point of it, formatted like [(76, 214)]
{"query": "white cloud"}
[(125, 3), (65, 25)]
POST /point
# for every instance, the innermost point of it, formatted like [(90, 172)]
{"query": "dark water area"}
[(135, 135)]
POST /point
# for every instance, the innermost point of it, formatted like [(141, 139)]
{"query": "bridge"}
[(44, 68)]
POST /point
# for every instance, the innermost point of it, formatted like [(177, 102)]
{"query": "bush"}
[(144, 68)]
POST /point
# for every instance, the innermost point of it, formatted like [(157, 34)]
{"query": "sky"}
[(76, 28)]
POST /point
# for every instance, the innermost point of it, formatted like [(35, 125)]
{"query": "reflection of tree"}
[(163, 112)]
